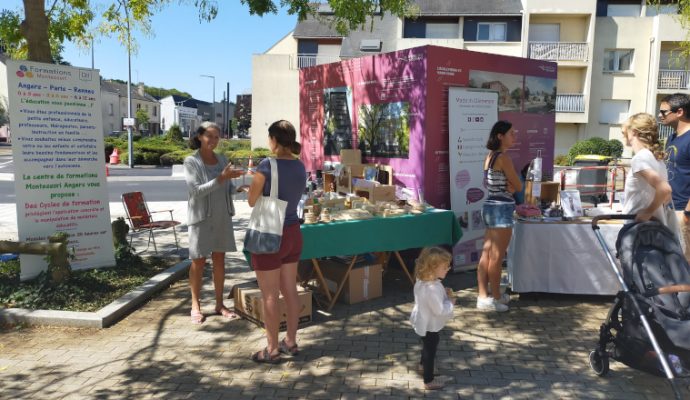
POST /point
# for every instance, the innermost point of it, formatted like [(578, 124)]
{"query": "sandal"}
[(433, 385), (197, 317), (266, 357), (290, 350), (226, 313)]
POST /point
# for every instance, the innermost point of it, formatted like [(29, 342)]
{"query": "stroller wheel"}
[(599, 362)]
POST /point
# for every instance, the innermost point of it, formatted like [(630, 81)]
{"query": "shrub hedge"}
[(596, 145), (159, 150)]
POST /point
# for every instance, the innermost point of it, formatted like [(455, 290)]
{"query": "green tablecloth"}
[(433, 227)]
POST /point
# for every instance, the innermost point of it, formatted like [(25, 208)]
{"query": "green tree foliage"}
[(142, 118), (371, 117), (159, 93), (70, 19), (39, 35), (683, 17), (596, 145), (174, 134), (4, 118)]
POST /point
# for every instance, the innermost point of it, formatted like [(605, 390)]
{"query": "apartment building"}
[(114, 107), (599, 82), (637, 61), (181, 111)]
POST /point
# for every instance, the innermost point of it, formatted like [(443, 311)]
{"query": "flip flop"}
[(197, 318), (290, 350), (266, 357), (226, 313)]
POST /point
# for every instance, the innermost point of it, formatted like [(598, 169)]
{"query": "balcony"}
[(310, 60), (673, 79), (570, 102), (558, 51)]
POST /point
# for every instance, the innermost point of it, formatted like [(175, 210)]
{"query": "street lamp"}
[(130, 143), (214, 95)]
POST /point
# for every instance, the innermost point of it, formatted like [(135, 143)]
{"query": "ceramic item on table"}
[(325, 215), (310, 218)]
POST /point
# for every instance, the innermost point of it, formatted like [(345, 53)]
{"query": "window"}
[(432, 28), (623, 10), (614, 111), (491, 31), (138, 106), (155, 111), (619, 60), (110, 109)]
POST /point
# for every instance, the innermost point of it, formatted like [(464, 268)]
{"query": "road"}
[(156, 183)]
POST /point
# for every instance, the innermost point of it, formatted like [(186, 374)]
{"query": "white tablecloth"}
[(561, 258)]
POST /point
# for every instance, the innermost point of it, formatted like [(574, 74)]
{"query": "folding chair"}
[(141, 219)]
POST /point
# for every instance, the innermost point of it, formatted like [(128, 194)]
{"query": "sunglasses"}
[(665, 112)]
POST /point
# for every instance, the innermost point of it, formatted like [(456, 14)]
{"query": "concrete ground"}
[(538, 350)]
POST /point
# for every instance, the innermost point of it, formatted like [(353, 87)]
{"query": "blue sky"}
[(183, 48)]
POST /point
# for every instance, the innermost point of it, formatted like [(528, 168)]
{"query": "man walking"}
[(674, 111)]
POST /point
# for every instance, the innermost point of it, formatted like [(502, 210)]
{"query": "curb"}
[(104, 317)]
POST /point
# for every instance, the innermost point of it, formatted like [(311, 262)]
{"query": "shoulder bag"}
[(265, 229)]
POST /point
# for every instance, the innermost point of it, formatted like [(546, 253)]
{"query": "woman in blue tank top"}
[(501, 182)]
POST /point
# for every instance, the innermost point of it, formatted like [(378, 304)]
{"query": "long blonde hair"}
[(646, 131), (428, 260)]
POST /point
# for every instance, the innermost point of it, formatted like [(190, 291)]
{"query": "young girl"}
[(433, 306)]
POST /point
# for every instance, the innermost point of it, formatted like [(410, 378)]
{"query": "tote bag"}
[(265, 229)]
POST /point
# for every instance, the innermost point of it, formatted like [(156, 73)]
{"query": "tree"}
[(683, 18), (63, 20), (4, 118), (142, 118)]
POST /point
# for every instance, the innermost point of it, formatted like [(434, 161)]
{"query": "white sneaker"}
[(491, 304), (505, 299)]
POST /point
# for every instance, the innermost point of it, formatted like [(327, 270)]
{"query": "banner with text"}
[(59, 159), (471, 114)]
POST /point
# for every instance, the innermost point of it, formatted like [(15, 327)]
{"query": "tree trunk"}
[(35, 29)]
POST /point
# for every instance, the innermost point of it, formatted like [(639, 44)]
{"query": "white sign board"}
[(128, 121), (471, 114), (59, 159)]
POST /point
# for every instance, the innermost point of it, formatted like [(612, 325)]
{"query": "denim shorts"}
[(498, 213)]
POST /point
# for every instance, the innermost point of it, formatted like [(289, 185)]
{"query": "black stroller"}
[(648, 327)]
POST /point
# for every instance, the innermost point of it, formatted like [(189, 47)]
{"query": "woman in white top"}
[(647, 189), (433, 306)]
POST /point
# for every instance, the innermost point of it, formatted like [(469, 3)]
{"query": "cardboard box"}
[(364, 282), (248, 305), (376, 193), (350, 156), (549, 192)]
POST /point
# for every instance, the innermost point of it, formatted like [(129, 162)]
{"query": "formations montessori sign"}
[(57, 145)]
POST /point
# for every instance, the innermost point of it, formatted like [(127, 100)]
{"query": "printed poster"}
[(57, 145), (471, 114)]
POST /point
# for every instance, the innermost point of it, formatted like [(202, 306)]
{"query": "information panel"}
[(471, 114), (57, 145)]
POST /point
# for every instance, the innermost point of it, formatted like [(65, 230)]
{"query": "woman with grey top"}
[(209, 214)]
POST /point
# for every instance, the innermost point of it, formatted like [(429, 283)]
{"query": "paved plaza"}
[(538, 350)]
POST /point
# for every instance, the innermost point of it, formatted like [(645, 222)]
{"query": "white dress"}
[(638, 193)]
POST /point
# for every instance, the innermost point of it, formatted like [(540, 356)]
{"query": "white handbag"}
[(265, 229)]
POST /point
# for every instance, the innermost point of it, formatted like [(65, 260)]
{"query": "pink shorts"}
[(290, 251)]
